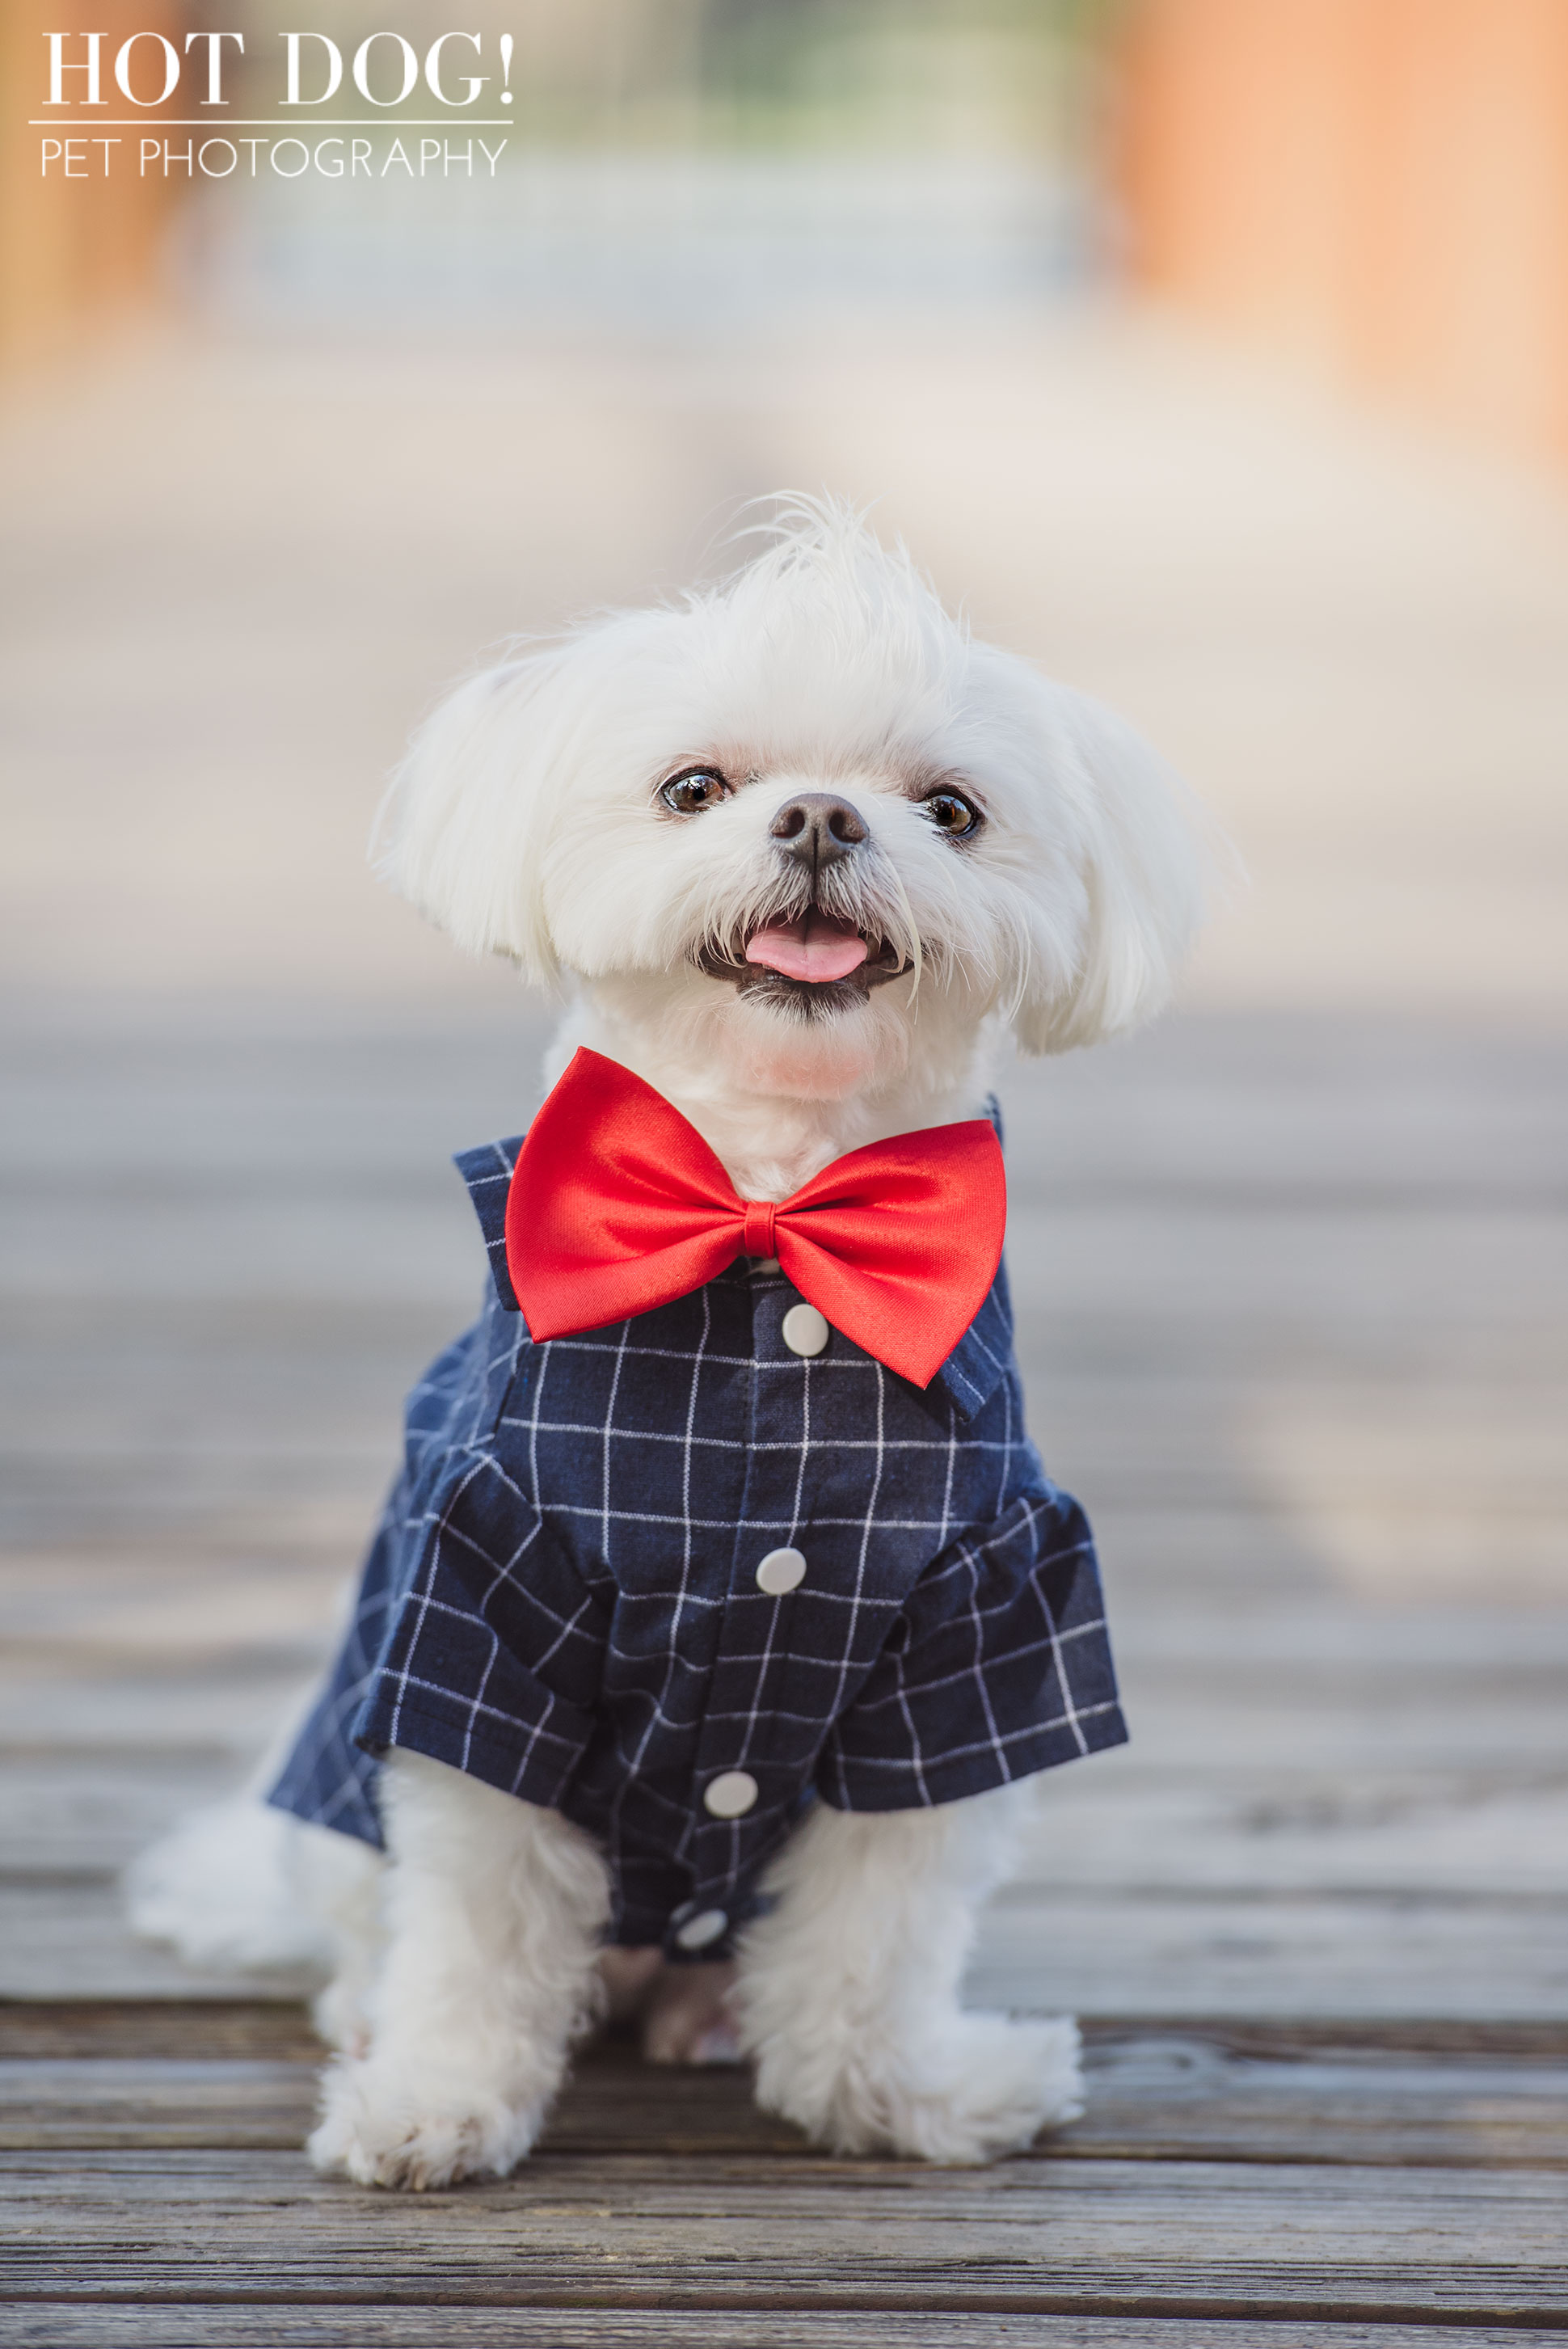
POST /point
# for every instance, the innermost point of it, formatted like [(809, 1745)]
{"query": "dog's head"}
[(804, 818)]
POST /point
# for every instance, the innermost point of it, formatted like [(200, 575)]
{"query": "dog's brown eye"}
[(951, 812), (698, 788)]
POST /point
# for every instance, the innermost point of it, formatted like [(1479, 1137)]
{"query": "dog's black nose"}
[(817, 828)]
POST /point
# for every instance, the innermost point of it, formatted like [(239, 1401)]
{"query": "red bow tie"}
[(617, 1205)]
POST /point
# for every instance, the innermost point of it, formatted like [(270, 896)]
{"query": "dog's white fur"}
[(527, 821)]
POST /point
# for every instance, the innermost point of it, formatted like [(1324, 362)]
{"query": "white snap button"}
[(706, 1926), (731, 1795), (805, 1329), (780, 1570)]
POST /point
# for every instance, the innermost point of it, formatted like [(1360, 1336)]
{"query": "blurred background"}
[(1213, 352)]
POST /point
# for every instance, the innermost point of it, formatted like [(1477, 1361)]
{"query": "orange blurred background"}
[(1377, 187), (72, 255)]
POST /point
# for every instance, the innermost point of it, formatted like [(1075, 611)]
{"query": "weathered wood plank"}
[(73, 1936), (1038, 2237), (1252, 1953), (277, 2029), (1177, 2096), (1089, 1952), (90, 1811), (238, 1705), (212, 2030), (66, 2325), (164, 2102)]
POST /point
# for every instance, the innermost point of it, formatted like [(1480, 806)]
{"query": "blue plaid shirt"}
[(561, 1598)]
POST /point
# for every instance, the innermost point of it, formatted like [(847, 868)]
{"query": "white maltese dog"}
[(711, 1646)]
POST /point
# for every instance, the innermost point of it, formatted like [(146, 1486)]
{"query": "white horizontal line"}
[(258, 122)]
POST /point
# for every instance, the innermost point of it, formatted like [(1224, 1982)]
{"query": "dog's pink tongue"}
[(815, 948)]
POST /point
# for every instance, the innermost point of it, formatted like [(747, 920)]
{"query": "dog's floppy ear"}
[(465, 828), (1142, 854)]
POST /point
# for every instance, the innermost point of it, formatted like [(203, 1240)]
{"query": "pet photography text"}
[(86, 77)]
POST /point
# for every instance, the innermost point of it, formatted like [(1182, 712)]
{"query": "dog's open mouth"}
[(815, 947), (813, 961)]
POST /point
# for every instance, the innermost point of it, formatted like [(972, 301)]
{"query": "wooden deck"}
[(1292, 1280), (1291, 1323)]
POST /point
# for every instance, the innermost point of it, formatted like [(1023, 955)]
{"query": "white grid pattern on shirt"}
[(611, 1644)]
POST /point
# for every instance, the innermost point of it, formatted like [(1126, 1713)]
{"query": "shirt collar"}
[(968, 1378), (486, 1171), (973, 1372)]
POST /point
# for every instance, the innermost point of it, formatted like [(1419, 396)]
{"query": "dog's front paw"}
[(990, 2088), (979, 2086), (384, 2125)]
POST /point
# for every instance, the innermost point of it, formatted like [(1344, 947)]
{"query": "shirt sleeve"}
[(487, 1586), (997, 1666)]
